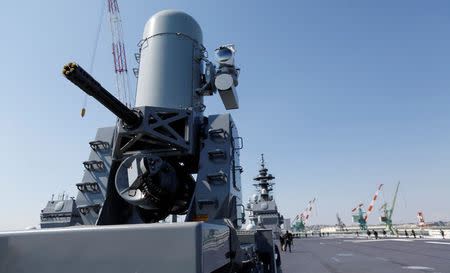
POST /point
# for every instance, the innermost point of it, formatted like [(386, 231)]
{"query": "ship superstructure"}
[(60, 213), (263, 208)]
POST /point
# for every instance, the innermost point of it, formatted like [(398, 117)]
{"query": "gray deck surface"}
[(359, 255)]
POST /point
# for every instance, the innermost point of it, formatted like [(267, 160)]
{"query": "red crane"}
[(119, 54)]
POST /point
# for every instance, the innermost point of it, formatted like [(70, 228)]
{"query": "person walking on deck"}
[(288, 240), (282, 242)]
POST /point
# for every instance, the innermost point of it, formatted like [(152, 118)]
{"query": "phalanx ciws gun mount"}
[(160, 143)]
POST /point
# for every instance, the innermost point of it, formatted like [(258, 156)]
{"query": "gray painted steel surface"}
[(170, 54), (218, 188), (178, 247), (93, 186)]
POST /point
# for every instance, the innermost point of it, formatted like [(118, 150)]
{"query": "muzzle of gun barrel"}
[(78, 76)]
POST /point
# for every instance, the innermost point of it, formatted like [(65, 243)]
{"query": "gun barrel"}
[(78, 76)]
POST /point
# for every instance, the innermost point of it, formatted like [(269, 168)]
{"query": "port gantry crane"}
[(420, 219), (124, 93), (300, 220), (119, 54), (387, 213), (299, 223), (340, 224), (360, 216)]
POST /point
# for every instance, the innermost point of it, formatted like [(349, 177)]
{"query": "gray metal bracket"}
[(99, 145), (93, 165), (85, 209), (217, 153), (88, 186), (217, 177)]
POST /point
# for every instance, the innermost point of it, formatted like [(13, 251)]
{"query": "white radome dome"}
[(250, 227)]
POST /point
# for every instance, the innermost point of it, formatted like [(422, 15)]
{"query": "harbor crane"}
[(360, 216), (301, 220), (299, 224), (124, 93), (340, 224), (119, 54), (387, 213), (420, 219)]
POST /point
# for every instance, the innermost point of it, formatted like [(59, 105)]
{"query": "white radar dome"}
[(264, 206), (250, 227), (255, 197)]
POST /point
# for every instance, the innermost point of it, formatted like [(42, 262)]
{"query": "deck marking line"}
[(336, 259), (413, 267), (379, 240), (439, 243), (345, 254)]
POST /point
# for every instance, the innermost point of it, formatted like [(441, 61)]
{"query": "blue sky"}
[(340, 96)]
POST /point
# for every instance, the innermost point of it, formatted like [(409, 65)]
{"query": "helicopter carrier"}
[(262, 208)]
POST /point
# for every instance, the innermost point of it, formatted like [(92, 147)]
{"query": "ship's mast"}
[(264, 185)]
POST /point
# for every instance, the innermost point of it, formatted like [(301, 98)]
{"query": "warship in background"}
[(263, 209), (62, 212)]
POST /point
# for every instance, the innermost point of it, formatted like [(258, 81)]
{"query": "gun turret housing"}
[(78, 76), (170, 61)]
